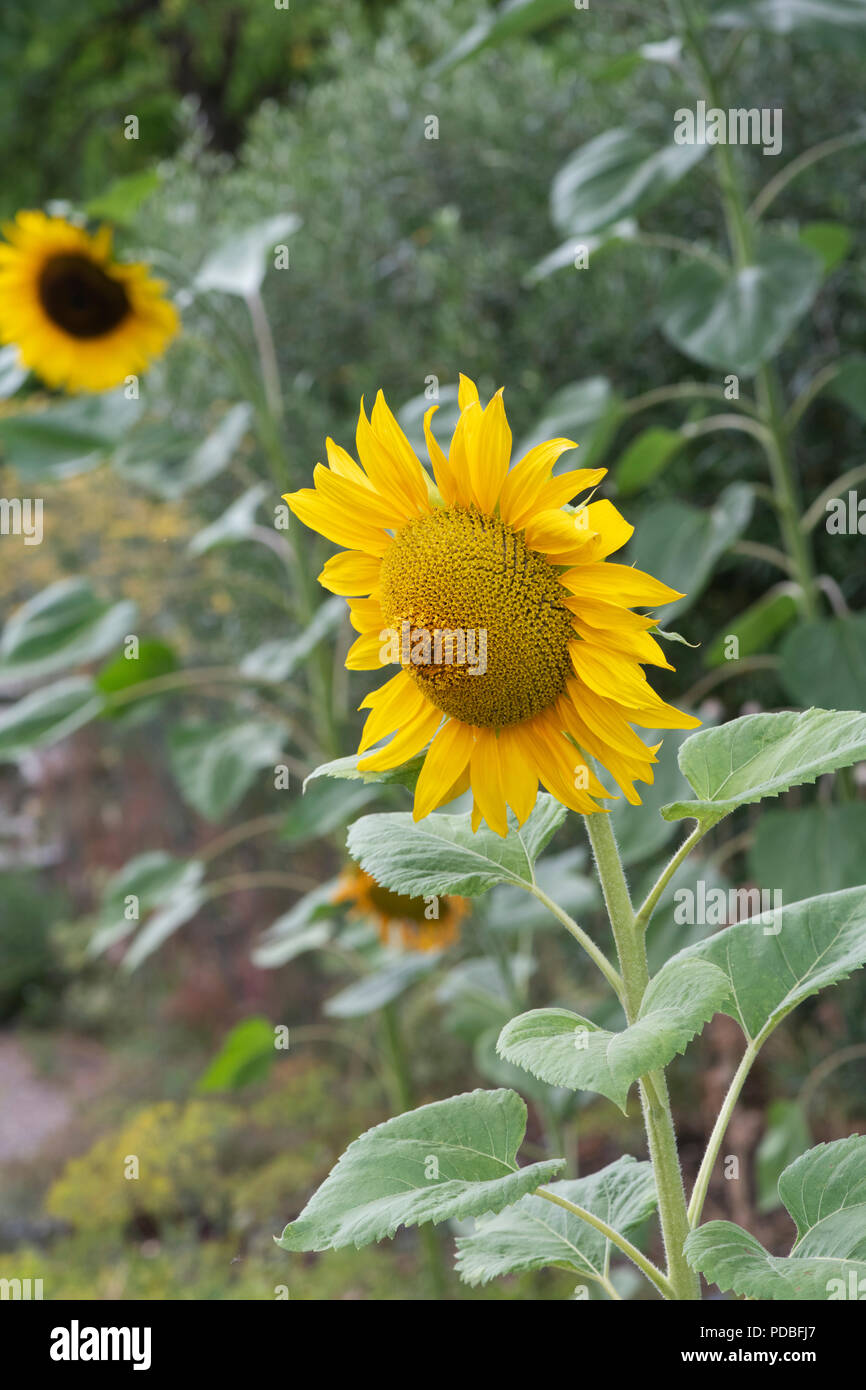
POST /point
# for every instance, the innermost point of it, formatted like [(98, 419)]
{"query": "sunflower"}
[(80, 319), (491, 565), (418, 924)]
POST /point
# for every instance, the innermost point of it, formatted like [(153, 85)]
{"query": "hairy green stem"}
[(702, 1182), (655, 1102), (584, 939), (667, 873)]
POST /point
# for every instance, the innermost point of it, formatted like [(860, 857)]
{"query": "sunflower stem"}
[(658, 1120)]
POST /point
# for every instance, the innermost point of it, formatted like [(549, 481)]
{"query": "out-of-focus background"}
[(421, 186)]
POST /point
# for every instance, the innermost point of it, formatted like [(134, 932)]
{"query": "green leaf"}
[(65, 625), (305, 927), (813, 849), (756, 629), (785, 1138), (237, 522), (587, 409), (787, 16), (830, 240), (440, 854), (737, 319), (681, 544), (162, 924), (849, 384), (246, 1057), (381, 986), (619, 173), (535, 1233), (645, 458), (824, 662), (153, 879), (168, 465), (71, 437), (215, 764), (446, 1161), (47, 715), (776, 961), (825, 1192), (347, 770), (763, 755), (512, 19), (280, 657), (122, 199), (324, 808), (566, 255), (564, 1049), (239, 265), (154, 659)]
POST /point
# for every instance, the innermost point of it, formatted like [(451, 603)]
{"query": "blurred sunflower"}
[(80, 319), (491, 556), (402, 917)]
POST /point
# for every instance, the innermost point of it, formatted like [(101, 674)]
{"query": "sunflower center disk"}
[(397, 905), (80, 298), (463, 573)]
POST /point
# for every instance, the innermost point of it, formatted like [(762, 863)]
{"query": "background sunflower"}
[(79, 319)]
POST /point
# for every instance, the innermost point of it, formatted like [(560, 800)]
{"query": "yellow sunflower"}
[(547, 671), (409, 921), (80, 319)]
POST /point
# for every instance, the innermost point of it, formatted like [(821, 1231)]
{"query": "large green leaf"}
[(763, 755), (755, 629), (681, 544), (645, 458), (737, 319), (618, 173), (47, 715), (535, 1233), (813, 849), (63, 626), (442, 855), (774, 962), (566, 1050), (449, 1160), (824, 662), (825, 1192), (238, 266), (168, 464), (70, 437), (214, 764), (587, 411)]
